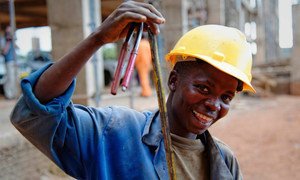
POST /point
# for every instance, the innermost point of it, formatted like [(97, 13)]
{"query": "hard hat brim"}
[(220, 65)]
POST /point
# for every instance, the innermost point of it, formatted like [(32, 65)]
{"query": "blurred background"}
[(262, 128)]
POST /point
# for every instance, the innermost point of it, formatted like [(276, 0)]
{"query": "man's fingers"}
[(116, 24), (151, 8), (150, 16), (143, 9), (154, 28), (125, 31), (129, 17)]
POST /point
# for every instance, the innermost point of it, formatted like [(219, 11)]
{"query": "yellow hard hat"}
[(223, 47)]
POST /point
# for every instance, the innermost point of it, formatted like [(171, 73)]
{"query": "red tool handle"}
[(116, 79), (129, 70), (132, 57), (131, 60)]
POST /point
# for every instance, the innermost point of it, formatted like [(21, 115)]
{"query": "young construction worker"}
[(211, 63)]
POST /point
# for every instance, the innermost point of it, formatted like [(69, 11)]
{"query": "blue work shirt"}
[(105, 143)]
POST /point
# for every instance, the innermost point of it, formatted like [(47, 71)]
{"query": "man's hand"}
[(117, 24)]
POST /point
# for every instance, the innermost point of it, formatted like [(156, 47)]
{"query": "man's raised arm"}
[(57, 78)]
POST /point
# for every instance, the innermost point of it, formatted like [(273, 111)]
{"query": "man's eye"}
[(202, 88), (226, 99)]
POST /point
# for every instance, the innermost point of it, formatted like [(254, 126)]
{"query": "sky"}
[(24, 36), (285, 23), (24, 39)]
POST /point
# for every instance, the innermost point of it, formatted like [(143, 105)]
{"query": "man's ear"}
[(173, 79)]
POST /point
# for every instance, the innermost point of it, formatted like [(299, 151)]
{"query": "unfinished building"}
[(275, 68)]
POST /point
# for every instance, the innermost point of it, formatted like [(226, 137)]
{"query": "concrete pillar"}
[(216, 12), (260, 57), (295, 63), (271, 23), (70, 22), (176, 21)]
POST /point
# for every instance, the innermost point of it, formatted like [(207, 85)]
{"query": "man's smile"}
[(203, 119)]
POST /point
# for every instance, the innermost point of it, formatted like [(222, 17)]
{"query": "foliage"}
[(109, 52)]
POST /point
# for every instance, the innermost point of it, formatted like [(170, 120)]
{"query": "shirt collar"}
[(152, 133), (218, 167), (152, 136)]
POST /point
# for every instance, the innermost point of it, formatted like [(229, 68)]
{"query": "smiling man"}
[(199, 96), (211, 64)]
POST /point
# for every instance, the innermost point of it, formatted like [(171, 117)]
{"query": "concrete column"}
[(70, 23), (175, 12), (295, 63), (176, 21), (216, 12), (260, 57), (271, 32)]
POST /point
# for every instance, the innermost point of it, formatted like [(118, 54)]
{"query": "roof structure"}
[(33, 13)]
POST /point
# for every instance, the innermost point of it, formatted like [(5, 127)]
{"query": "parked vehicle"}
[(36, 60)]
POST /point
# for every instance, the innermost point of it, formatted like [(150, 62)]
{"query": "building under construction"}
[(275, 68), (71, 21)]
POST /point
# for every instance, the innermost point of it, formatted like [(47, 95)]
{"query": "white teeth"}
[(201, 116)]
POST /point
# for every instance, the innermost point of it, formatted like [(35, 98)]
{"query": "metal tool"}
[(158, 84), (123, 54), (162, 105)]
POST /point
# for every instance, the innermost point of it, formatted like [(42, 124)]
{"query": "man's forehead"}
[(191, 68), (189, 64)]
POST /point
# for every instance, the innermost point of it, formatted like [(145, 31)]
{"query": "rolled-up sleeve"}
[(67, 134)]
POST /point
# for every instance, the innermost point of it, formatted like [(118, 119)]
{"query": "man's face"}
[(200, 95)]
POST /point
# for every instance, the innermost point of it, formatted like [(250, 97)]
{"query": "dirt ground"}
[(264, 133)]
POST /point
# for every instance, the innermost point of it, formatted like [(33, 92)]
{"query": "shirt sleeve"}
[(68, 134)]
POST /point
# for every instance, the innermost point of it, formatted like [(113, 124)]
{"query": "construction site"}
[(261, 128)]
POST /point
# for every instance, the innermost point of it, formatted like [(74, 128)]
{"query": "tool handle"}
[(116, 79), (132, 57), (121, 59), (129, 70)]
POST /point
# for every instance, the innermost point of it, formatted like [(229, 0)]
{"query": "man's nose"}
[(212, 104)]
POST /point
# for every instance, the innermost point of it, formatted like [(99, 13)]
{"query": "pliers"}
[(124, 54)]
